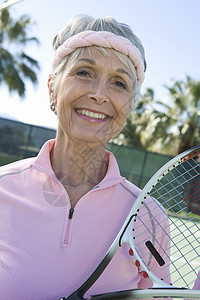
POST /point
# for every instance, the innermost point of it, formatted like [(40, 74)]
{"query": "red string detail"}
[(192, 195)]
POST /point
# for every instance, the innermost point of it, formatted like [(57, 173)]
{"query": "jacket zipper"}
[(71, 212)]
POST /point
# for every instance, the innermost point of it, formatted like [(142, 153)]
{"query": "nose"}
[(99, 94)]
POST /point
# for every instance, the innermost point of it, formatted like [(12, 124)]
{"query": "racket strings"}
[(170, 194), (174, 228), (176, 203), (177, 191), (141, 245), (148, 260), (178, 250), (185, 253), (176, 270), (174, 180), (192, 173), (193, 266), (190, 237)]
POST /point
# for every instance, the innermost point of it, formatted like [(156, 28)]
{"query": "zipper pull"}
[(71, 211)]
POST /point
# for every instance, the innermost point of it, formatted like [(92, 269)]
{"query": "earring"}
[(53, 106)]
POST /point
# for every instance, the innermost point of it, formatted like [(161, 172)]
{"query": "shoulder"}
[(16, 167), (131, 188)]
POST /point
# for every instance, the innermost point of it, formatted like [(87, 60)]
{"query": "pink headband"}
[(104, 39)]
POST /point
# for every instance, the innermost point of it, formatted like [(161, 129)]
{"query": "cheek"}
[(123, 111), (65, 96), (123, 107), (63, 106)]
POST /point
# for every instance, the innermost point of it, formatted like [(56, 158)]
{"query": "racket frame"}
[(160, 288), (128, 238)]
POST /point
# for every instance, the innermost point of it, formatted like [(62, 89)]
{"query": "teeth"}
[(91, 114)]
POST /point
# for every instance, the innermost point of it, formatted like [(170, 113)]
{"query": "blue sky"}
[(168, 29)]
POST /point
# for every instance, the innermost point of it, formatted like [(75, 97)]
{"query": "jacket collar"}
[(43, 163)]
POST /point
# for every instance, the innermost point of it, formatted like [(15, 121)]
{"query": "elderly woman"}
[(61, 211)]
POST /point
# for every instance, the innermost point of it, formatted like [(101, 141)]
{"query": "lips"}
[(91, 114)]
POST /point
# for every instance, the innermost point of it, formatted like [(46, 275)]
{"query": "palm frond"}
[(28, 73), (17, 67), (34, 63)]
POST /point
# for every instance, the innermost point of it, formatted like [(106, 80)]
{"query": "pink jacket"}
[(47, 250)]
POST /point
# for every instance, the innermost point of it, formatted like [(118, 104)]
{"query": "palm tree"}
[(184, 113), (15, 65), (136, 126), (144, 126), (174, 125), (165, 127)]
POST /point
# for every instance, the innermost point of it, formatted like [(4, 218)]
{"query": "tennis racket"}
[(163, 232)]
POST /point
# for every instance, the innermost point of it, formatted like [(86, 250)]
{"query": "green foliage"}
[(139, 130), (168, 128), (185, 113), (15, 65)]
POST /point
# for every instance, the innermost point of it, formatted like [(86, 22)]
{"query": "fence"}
[(19, 140), (137, 165)]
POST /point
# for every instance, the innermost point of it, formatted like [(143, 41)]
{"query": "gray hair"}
[(84, 22), (81, 23)]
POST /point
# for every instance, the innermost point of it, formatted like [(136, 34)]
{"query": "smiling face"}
[(94, 97)]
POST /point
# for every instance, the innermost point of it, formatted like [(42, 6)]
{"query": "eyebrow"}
[(92, 62), (124, 72)]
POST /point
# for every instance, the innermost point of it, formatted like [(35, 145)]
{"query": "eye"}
[(83, 73), (121, 85)]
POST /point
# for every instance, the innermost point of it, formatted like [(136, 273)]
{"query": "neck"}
[(78, 165)]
